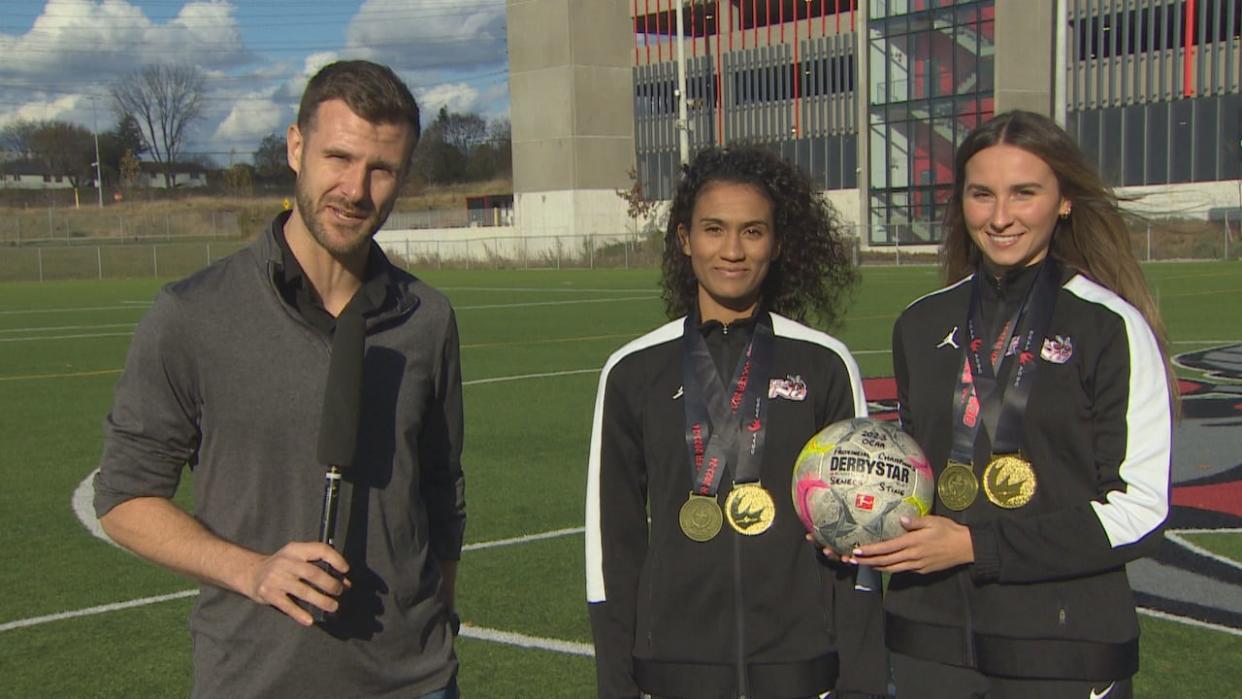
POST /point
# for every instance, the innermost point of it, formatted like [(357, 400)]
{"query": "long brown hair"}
[(1093, 239)]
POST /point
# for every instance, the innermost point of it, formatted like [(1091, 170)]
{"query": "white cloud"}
[(451, 53), (81, 41), (251, 119), (429, 34), (65, 108), (456, 97)]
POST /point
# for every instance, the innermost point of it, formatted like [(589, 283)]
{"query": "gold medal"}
[(957, 486), (700, 517), (750, 509), (1009, 481)]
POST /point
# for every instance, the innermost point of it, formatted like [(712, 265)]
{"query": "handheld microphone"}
[(338, 425)]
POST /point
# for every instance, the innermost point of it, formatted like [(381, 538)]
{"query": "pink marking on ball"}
[(803, 493), (922, 466)]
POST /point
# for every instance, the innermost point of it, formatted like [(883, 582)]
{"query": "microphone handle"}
[(331, 493), (327, 532)]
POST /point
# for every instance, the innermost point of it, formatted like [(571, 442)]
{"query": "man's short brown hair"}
[(371, 91)]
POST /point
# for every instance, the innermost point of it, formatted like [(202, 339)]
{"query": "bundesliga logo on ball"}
[(856, 479)]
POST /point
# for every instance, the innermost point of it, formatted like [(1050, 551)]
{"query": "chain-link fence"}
[(1151, 240), (89, 226), (116, 261), (528, 252), (110, 258)]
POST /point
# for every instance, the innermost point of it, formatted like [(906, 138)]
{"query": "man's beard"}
[(309, 211)]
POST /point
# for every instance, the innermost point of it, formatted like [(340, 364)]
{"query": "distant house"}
[(184, 175), (28, 174)]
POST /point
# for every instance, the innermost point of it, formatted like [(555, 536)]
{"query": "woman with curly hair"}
[(699, 580), (1038, 384)]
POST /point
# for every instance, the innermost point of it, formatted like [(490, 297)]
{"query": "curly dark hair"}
[(811, 275)]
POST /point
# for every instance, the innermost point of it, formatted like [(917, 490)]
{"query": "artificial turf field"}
[(532, 345)]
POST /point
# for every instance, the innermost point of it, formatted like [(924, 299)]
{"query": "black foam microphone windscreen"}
[(342, 395), (338, 425)]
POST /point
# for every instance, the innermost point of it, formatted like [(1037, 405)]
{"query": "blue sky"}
[(256, 54)]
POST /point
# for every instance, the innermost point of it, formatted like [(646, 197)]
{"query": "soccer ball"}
[(856, 479)]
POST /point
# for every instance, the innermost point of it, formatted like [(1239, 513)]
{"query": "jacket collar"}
[(395, 296)]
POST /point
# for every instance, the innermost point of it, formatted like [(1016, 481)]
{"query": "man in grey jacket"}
[(226, 373)]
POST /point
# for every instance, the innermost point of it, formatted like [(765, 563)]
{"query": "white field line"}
[(63, 337), (531, 304), (526, 539), (133, 305), (91, 611), (523, 641), (1174, 535), (520, 377), (550, 290), (1188, 621), (59, 328)]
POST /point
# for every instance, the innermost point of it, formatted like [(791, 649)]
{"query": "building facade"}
[(872, 97)]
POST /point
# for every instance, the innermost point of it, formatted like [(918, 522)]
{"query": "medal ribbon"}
[(714, 420), (978, 397)]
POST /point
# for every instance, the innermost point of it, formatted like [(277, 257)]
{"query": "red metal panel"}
[(659, 34), (1188, 54), (719, 97), (647, 29), (694, 45), (797, 77), (754, 20), (634, 13)]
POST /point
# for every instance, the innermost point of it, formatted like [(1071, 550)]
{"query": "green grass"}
[(525, 458)]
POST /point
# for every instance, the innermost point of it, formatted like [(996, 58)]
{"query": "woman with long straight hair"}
[(1038, 384)]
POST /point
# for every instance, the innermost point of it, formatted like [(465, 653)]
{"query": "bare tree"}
[(462, 131), (165, 99), (17, 139), (59, 146), (65, 149)]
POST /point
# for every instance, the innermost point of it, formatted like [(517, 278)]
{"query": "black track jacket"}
[(1047, 595), (684, 619)]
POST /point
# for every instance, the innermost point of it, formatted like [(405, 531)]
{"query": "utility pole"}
[(683, 133), (98, 175)]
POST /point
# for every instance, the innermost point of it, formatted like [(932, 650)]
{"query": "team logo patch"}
[(1057, 351), (789, 388)]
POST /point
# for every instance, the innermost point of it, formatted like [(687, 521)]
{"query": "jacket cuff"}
[(987, 553)]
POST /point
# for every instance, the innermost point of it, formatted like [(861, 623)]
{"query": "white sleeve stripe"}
[(1132, 513), (594, 535), (937, 292), (784, 327)]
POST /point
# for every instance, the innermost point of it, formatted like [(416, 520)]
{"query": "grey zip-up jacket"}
[(225, 376)]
